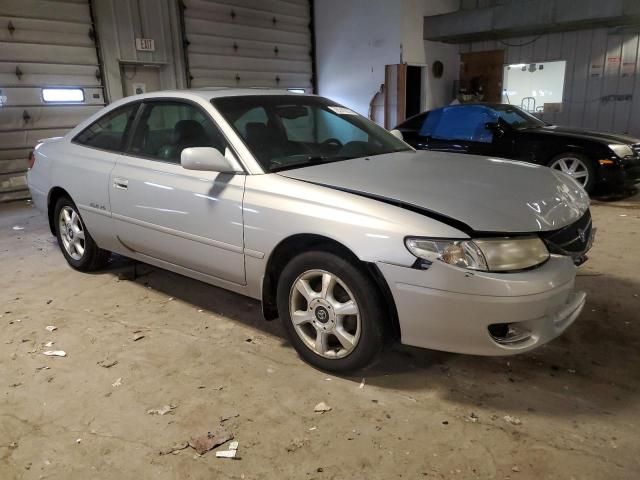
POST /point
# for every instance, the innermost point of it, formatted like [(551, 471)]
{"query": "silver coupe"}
[(342, 230)]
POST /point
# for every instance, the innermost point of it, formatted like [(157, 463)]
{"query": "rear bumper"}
[(451, 309), (39, 198)]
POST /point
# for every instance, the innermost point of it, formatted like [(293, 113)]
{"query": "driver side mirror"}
[(207, 159), (397, 133), (494, 127)]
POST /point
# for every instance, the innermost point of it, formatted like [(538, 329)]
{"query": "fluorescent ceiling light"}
[(63, 94), (296, 90)]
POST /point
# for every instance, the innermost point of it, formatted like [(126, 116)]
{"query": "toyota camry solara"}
[(342, 230)]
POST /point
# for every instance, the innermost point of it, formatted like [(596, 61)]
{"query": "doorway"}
[(137, 79), (482, 72), (405, 92)]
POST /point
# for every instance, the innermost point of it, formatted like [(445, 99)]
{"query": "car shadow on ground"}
[(629, 196), (589, 368)]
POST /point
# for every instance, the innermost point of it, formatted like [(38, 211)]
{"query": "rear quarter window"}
[(109, 131)]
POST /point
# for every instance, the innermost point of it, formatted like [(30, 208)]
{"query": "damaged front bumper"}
[(482, 313)]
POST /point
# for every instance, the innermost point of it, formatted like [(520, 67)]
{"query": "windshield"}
[(517, 118), (291, 131)]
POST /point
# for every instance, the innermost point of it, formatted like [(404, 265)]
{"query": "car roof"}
[(209, 93)]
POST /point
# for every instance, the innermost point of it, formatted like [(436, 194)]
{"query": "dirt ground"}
[(416, 414)]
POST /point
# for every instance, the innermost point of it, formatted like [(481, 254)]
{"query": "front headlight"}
[(621, 150), (491, 254)]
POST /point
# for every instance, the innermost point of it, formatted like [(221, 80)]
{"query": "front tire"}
[(332, 311), (578, 167), (75, 241)]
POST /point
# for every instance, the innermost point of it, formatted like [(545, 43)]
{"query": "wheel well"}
[(54, 195), (296, 244)]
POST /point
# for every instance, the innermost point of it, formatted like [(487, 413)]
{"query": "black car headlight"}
[(490, 254), (621, 150)]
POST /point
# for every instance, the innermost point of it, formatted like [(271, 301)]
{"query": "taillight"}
[(32, 160)]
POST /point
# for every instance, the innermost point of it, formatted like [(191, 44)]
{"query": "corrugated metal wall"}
[(249, 43), (587, 97), (42, 43)]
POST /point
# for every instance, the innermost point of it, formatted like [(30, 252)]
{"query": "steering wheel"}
[(332, 141)]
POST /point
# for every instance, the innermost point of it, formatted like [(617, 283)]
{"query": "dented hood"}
[(486, 194)]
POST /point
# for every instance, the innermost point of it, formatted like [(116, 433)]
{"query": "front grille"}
[(636, 149), (574, 239)]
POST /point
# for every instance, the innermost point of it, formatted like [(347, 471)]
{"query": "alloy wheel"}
[(574, 167), (325, 314), (72, 232)]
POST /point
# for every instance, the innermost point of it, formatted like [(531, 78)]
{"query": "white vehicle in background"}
[(342, 230)]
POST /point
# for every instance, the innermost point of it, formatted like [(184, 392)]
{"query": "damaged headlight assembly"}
[(488, 255)]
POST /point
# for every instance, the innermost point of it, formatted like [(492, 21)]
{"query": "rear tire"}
[(75, 241), (332, 311), (578, 167)]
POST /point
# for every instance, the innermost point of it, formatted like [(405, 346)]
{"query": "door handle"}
[(121, 183)]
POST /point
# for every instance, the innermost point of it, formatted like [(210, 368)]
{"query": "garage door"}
[(49, 79), (249, 43)]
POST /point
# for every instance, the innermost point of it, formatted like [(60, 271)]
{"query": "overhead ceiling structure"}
[(46, 47), (251, 43), (527, 17)]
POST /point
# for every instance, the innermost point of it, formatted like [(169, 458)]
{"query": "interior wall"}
[(602, 81), (355, 39)]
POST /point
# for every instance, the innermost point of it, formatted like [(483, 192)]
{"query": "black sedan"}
[(600, 162)]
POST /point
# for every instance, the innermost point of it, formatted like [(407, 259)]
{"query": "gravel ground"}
[(569, 410)]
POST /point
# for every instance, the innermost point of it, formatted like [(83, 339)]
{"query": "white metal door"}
[(249, 43), (43, 43)]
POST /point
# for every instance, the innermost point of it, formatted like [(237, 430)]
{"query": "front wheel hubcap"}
[(574, 167), (325, 314), (72, 233)]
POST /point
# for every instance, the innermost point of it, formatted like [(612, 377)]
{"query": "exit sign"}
[(146, 44)]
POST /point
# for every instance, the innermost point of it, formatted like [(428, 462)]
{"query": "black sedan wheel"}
[(578, 167)]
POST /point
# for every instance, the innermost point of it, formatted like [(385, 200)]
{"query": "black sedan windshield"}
[(291, 131)]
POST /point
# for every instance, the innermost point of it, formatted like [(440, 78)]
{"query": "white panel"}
[(610, 80), (7, 154), (45, 31), (628, 74), (595, 84), (249, 43), (581, 72), (50, 10), (18, 165), (29, 52), (253, 64), (28, 138), (19, 118), (43, 43), (222, 78), (225, 46), (281, 7)]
